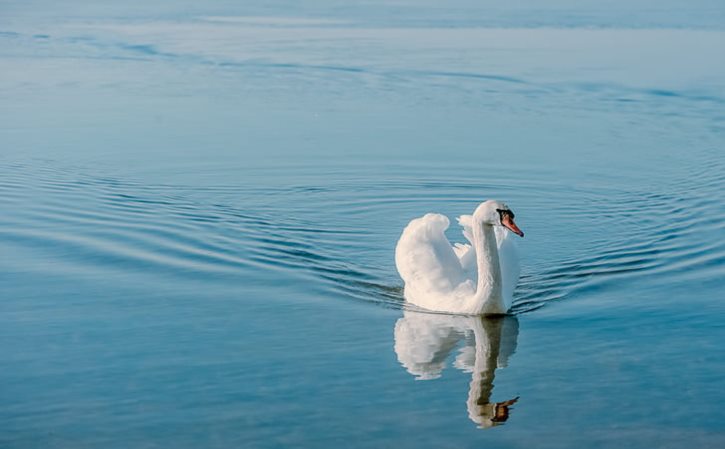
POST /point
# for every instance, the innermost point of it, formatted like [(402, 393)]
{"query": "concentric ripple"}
[(113, 227)]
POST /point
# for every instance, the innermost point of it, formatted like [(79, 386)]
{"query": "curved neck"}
[(488, 297)]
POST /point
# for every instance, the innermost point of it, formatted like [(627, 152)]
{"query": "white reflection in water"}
[(423, 343)]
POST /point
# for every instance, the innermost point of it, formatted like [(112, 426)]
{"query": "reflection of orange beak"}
[(507, 221)]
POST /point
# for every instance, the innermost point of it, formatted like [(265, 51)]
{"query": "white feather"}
[(443, 277)]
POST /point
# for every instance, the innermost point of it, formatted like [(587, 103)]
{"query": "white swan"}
[(475, 279)]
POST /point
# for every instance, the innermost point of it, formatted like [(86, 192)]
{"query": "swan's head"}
[(496, 213)]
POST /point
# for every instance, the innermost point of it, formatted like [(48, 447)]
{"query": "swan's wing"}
[(467, 258), (465, 252), (461, 249), (466, 222), (425, 258), (509, 261)]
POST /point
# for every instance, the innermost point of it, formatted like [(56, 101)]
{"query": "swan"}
[(424, 343), (467, 279)]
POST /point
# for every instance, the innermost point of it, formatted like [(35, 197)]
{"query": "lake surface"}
[(200, 204)]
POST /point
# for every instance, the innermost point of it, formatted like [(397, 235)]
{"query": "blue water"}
[(200, 203)]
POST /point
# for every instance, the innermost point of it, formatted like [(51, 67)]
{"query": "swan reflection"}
[(424, 341)]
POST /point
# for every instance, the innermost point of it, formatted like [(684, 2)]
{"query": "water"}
[(200, 205)]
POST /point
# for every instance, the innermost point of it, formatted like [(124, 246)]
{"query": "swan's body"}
[(471, 279)]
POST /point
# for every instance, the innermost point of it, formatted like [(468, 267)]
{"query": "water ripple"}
[(102, 223)]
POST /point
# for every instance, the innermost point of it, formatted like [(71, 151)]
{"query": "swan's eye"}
[(503, 212)]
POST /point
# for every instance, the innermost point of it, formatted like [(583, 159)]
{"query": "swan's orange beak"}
[(508, 221)]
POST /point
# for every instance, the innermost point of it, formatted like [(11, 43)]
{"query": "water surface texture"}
[(199, 204)]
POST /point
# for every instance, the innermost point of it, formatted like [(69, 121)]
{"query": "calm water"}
[(200, 204)]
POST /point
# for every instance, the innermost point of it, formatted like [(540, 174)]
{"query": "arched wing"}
[(465, 252), (466, 222), (425, 258)]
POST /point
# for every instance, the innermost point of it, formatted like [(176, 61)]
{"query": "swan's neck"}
[(488, 298)]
